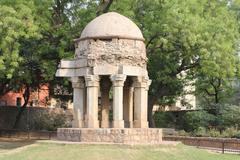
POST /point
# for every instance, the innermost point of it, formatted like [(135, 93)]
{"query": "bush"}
[(197, 119), (164, 120), (213, 133), (52, 120), (230, 133), (183, 133), (200, 132), (237, 135), (230, 116)]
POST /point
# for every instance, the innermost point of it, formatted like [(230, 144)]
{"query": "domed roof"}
[(110, 25)]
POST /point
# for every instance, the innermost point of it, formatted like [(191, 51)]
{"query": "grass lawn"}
[(51, 151)]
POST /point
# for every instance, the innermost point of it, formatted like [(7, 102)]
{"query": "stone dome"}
[(111, 25)]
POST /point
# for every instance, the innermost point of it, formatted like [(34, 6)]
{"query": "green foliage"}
[(42, 33), (237, 135), (229, 115), (50, 121), (214, 133), (16, 23), (230, 133), (186, 40), (164, 120), (183, 133), (199, 132), (197, 119)]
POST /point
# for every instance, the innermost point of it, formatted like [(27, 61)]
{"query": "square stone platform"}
[(111, 135)]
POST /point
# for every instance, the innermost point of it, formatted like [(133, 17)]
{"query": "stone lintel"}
[(113, 69), (79, 63), (67, 64), (105, 70), (73, 64), (83, 71), (65, 73), (73, 72), (132, 71)]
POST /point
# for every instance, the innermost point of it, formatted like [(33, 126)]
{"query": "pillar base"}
[(128, 124), (118, 124), (140, 124), (94, 124), (105, 124), (133, 136)]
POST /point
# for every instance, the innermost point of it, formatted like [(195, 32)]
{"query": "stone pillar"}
[(92, 85), (105, 102), (128, 105), (140, 102), (118, 81), (78, 102)]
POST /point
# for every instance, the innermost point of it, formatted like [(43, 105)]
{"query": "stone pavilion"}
[(110, 61)]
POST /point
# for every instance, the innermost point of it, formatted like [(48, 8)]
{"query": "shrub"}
[(237, 135), (213, 133), (200, 132), (230, 116), (183, 133), (230, 133), (51, 120), (197, 119), (164, 120)]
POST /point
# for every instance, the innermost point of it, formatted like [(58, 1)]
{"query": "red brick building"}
[(39, 97)]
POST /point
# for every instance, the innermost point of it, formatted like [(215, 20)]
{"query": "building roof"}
[(111, 25)]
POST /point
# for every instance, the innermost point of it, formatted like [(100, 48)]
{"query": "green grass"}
[(51, 151)]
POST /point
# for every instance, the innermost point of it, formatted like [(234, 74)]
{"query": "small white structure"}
[(109, 53)]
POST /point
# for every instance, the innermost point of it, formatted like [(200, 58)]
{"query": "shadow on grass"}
[(10, 144)]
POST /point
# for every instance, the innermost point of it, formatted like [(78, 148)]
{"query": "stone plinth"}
[(111, 135)]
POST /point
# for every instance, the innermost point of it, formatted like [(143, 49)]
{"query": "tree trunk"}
[(26, 96), (216, 98)]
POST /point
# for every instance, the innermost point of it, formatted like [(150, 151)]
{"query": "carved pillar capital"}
[(118, 80), (140, 82), (77, 82), (149, 82), (92, 80)]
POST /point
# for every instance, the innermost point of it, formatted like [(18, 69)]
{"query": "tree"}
[(37, 57), (16, 23), (183, 37), (187, 37)]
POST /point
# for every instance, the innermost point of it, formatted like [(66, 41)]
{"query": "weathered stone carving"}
[(112, 51)]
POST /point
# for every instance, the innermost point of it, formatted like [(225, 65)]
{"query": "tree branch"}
[(208, 93), (104, 6), (151, 39)]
